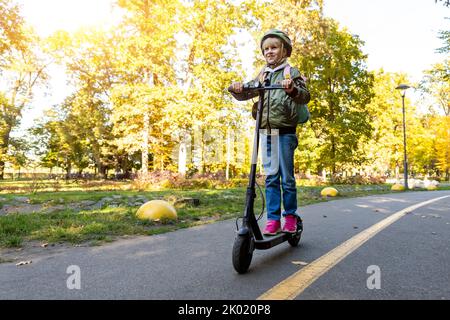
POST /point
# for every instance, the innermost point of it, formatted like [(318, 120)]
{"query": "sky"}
[(399, 35)]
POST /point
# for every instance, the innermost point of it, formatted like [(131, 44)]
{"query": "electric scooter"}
[(249, 236)]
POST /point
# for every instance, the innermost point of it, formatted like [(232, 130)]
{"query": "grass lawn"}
[(73, 224)]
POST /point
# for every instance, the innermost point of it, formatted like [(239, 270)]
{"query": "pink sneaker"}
[(290, 224), (272, 227)]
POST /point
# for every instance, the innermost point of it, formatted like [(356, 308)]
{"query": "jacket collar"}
[(281, 66)]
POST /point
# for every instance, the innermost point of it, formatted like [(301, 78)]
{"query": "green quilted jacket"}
[(282, 106)]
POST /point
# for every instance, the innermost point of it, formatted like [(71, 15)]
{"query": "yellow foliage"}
[(443, 143), (398, 187)]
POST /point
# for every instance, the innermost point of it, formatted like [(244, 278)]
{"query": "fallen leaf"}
[(301, 263), (21, 263)]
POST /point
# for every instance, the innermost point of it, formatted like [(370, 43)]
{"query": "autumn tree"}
[(209, 63), (89, 58), (436, 84), (435, 87), (444, 2), (339, 82), (22, 68), (139, 101), (58, 145)]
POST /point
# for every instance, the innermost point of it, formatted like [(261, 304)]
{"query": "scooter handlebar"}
[(257, 86)]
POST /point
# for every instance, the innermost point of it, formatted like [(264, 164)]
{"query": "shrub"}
[(357, 179)]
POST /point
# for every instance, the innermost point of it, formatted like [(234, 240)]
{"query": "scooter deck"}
[(271, 241)]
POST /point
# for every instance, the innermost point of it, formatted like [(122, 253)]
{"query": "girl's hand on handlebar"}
[(237, 87), (288, 85)]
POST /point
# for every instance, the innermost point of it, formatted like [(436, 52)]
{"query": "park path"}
[(412, 256)]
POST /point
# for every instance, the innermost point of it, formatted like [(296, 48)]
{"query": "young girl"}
[(276, 47)]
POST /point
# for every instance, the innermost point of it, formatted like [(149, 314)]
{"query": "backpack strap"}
[(287, 72), (262, 76)]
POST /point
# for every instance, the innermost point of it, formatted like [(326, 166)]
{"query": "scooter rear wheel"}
[(295, 239), (242, 253)]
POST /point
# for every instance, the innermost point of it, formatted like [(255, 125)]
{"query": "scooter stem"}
[(249, 217)]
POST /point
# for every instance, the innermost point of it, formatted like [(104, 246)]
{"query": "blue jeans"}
[(287, 144)]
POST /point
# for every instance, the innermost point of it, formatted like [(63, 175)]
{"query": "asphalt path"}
[(409, 259)]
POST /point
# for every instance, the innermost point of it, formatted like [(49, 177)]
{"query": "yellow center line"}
[(294, 285)]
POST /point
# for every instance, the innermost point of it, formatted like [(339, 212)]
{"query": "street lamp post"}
[(403, 88)]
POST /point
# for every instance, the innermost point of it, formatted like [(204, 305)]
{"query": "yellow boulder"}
[(398, 187), (329, 192), (157, 210), (432, 187)]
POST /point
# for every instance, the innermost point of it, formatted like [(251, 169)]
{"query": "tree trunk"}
[(227, 170), (103, 172), (2, 169), (182, 158), (144, 167), (68, 170), (148, 79), (198, 149), (333, 155), (4, 149)]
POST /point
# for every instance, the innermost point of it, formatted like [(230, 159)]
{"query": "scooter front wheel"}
[(242, 253)]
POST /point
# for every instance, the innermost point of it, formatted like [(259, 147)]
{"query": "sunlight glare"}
[(47, 16)]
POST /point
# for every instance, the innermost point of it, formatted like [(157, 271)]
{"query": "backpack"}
[(303, 114), (302, 110)]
